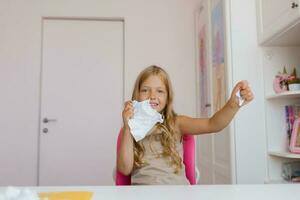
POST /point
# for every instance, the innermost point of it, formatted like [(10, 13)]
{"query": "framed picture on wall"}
[(295, 138), (202, 51), (218, 55), (203, 73)]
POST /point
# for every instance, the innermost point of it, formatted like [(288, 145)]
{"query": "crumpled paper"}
[(12, 193), (144, 118), (240, 98)]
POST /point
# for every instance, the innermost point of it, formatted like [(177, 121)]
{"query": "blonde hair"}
[(167, 131)]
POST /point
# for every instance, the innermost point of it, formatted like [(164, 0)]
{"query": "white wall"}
[(250, 137), (19, 92), (156, 32)]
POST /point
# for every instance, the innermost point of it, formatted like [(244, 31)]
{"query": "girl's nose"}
[(152, 95)]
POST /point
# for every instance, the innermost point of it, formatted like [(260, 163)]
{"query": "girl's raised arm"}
[(220, 119)]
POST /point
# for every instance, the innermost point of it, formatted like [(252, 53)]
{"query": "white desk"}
[(199, 192)]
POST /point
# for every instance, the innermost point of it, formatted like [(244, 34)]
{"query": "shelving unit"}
[(278, 24), (273, 61)]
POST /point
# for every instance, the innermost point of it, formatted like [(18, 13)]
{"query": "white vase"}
[(294, 86)]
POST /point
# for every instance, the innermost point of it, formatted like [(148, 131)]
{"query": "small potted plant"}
[(294, 82)]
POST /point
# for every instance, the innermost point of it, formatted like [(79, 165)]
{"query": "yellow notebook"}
[(78, 195)]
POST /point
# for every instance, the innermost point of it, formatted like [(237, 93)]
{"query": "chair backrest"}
[(188, 160)]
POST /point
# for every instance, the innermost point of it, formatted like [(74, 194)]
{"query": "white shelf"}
[(289, 94), (284, 154)]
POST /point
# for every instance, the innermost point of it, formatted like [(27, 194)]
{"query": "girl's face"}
[(154, 89)]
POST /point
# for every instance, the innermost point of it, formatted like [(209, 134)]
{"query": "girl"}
[(157, 159)]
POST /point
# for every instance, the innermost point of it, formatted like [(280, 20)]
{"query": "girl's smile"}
[(153, 105)]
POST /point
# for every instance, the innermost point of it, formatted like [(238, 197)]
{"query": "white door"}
[(81, 100)]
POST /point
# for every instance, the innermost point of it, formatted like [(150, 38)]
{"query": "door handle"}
[(46, 120)]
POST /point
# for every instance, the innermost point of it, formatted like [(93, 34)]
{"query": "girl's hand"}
[(245, 92), (127, 113)]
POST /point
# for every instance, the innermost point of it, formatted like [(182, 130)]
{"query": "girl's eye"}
[(161, 91), (144, 90)]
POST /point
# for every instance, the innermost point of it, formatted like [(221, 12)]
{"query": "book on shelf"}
[(292, 112)]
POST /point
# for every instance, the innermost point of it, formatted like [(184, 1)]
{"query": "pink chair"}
[(188, 160)]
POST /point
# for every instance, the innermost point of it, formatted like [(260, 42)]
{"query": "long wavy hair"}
[(167, 132)]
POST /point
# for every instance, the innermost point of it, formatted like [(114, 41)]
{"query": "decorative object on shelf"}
[(294, 82), (280, 83), (291, 171), (295, 138), (294, 87)]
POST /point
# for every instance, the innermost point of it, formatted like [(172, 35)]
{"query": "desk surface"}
[(205, 192)]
